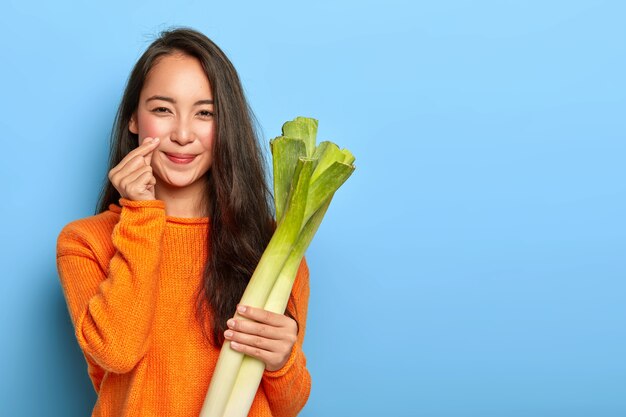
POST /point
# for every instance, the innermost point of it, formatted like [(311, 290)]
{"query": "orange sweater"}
[(129, 277)]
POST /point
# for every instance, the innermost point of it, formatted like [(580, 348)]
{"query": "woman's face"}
[(176, 106)]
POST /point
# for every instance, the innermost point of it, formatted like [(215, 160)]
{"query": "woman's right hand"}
[(132, 177)]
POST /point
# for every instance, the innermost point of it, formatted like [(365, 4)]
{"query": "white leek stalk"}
[(305, 180)]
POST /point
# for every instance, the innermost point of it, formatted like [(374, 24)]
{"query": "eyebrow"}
[(171, 100)]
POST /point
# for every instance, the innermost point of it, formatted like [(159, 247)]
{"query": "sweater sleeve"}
[(113, 310), (288, 388)]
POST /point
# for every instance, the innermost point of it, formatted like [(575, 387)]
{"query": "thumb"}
[(154, 144)]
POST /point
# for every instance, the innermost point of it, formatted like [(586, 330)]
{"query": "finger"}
[(131, 166), (124, 175), (148, 157), (259, 342), (257, 329), (150, 185), (133, 176), (263, 316), (131, 156), (141, 186), (146, 147), (262, 354)]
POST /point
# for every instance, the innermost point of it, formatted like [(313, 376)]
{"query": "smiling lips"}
[(180, 158)]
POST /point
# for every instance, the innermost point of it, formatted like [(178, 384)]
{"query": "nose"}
[(182, 133)]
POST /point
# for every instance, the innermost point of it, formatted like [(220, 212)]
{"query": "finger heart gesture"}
[(133, 177)]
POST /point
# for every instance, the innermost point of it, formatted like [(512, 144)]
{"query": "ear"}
[(132, 124)]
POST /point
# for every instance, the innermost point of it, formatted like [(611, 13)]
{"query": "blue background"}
[(473, 265)]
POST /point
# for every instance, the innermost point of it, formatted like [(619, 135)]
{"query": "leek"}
[(306, 177)]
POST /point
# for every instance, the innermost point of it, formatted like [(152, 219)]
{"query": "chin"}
[(179, 181)]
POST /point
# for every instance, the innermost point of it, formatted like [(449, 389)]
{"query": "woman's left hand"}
[(262, 334)]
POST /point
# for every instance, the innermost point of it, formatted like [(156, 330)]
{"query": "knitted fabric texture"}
[(130, 276)]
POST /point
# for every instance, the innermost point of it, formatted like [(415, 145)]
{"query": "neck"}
[(182, 202)]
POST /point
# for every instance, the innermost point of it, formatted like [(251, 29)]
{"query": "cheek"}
[(152, 127), (207, 138)]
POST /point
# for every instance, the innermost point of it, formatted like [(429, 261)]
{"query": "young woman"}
[(152, 281)]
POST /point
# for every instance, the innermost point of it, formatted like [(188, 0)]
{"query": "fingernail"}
[(241, 309), (231, 323), (228, 333), (234, 345), (155, 140)]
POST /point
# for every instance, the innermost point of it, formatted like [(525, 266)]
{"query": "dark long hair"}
[(238, 199)]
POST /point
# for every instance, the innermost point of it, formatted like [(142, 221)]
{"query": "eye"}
[(160, 110), (205, 113)]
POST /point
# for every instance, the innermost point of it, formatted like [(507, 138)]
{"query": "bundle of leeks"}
[(306, 177)]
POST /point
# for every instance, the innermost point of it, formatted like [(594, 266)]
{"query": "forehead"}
[(179, 76)]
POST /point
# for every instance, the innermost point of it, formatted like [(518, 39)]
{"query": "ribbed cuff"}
[(140, 228)]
